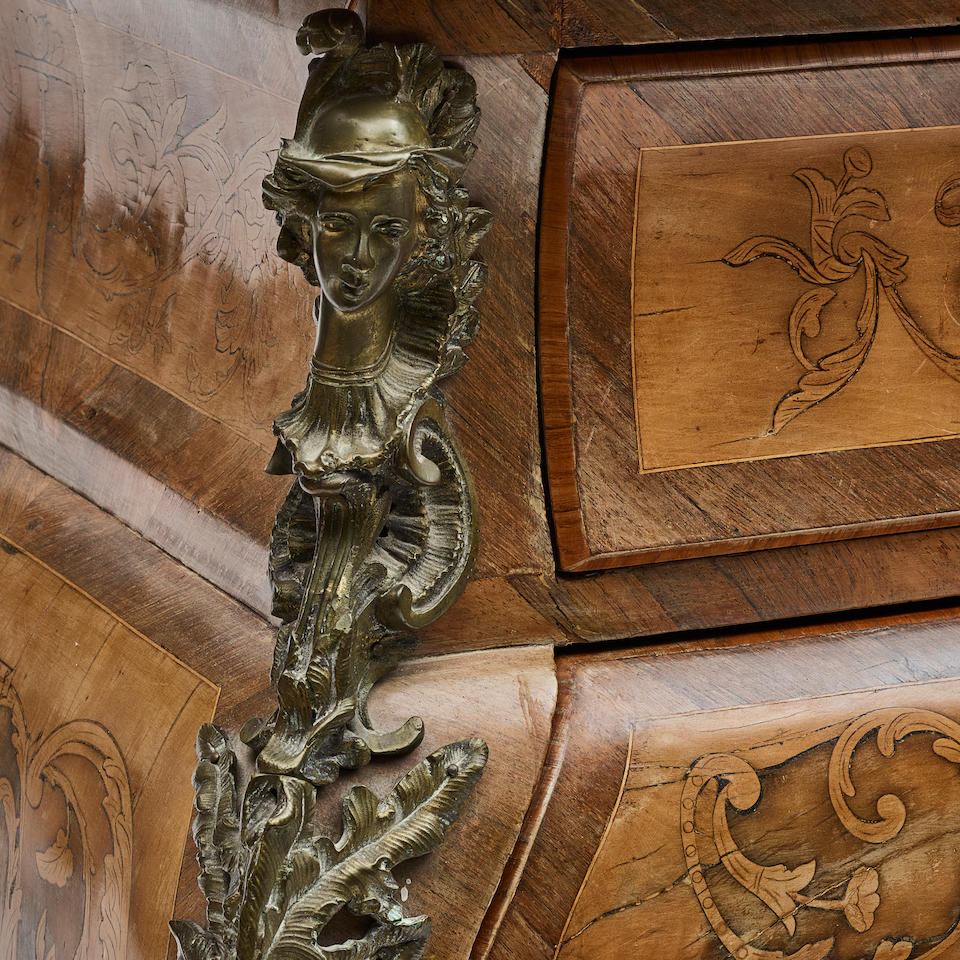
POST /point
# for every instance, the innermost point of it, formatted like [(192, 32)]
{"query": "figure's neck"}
[(355, 342)]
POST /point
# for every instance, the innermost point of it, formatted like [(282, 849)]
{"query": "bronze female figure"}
[(377, 536)]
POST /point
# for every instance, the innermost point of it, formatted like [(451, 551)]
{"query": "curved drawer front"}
[(748, 292), (784, 799)]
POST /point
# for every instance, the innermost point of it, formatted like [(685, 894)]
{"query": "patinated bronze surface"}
[(377, 536)]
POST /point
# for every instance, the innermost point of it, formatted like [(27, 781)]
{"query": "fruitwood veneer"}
[(785, 676)]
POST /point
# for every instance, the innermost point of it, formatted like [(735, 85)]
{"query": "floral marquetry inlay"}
[(94, 803), (856, 347), (164, 237), (798, 830)]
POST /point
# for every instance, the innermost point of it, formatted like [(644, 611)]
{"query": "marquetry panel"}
[(772, 800), (711, 381), (97, 726), (799, 828), (770, 239)]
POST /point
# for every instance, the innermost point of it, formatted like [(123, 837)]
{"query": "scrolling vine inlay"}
[(91, 858), (94, 803), (377, 537), (840, 251), (814, 308), (736, 785), (797, 830)]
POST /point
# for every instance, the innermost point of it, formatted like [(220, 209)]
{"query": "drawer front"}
[(785, 799), (748, 293)]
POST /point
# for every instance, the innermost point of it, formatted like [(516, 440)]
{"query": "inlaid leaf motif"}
[(41, 952), (948, 749), (862, 202), (890, 950), (860, 901), (805, 321), (55, 864), (776, 885), (757, 247), (832, 372), (822, 190), (728, 780), (838, 252), (857, 246)]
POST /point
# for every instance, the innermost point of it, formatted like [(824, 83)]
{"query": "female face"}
[(362, 237)]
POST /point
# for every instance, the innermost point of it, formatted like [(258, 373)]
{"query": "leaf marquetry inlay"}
[(842, 251), (793, 830)]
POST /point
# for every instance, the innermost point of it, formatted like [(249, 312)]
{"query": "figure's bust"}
[(368, 199)]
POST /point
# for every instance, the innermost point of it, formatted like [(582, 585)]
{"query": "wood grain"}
[(603, 697), (463, 27), (171, 271), (506, 696), (115, 424), (606, 511), (730, 312), (107, 796), (524, 608), (751, 828), (609, 22), (459, 27), (201, 626), (65, 529)]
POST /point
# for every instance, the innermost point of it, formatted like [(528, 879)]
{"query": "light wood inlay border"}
[(592, 492)]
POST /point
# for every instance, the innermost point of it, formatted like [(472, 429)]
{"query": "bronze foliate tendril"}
[(377, 537)]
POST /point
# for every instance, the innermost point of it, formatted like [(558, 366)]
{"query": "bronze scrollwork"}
[(378, 535)]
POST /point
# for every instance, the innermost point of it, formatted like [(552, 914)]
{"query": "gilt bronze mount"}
[(377, 537)]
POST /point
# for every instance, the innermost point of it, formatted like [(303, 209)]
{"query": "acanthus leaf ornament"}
[(377, 537)]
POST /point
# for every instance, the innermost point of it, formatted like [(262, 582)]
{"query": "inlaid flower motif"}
[(890, 950), (860, 901), (853, 897)]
